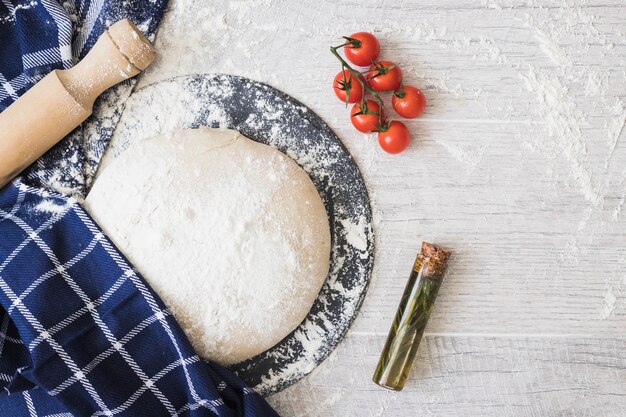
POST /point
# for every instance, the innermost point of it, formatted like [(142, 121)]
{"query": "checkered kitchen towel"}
[(81, 333)]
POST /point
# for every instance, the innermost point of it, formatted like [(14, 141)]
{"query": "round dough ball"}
[(232, 234)]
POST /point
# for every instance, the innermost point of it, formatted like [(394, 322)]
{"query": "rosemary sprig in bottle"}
[(410, 321)]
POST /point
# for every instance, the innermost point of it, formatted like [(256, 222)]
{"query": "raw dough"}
[(231, 233)]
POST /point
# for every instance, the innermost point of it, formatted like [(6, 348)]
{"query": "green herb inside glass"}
[(411, 318)]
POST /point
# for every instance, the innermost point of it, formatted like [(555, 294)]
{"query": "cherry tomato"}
[(384, 76), (409, 102), (365, 49), (341, 86), (394, 138), (367, 121)]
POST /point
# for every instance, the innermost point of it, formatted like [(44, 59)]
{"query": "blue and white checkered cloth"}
[(81, 333)]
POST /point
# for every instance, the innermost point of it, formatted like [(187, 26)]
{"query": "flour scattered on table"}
[(608, 304), (50, 206), (356, 233)]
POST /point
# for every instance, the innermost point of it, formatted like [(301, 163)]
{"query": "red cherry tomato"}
[(365, 49), (395, 138), (367, 119), (409, 102), (345, 84), (384, 76)]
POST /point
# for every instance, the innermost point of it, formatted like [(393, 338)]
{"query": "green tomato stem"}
[(357, 75)]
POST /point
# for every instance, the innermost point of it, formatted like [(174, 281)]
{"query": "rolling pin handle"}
[(119, 54), (63, 99)]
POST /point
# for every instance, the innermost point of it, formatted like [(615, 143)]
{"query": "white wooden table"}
[(518, 166)]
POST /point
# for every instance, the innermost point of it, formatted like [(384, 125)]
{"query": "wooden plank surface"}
[(471, 376), (518, 166)]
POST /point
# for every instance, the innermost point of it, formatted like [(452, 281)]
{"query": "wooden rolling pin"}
[(63, 99)]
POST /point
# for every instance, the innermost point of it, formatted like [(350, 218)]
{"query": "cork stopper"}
[(432, 259), (132, 43), (436, 253)]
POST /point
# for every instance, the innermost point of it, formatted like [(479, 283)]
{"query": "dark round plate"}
[(267, 115)]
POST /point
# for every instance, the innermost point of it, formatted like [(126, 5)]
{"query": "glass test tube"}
[(410, 321)]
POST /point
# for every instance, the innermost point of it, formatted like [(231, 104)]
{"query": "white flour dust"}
[(13, 9), (608, 304), (49, 206), (570, 70)]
